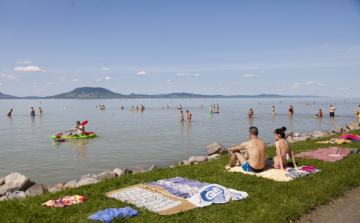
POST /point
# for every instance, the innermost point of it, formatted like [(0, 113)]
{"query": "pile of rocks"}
[(213, 150), (18, 186)]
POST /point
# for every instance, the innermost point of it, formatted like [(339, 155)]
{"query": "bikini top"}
[(287, 155)]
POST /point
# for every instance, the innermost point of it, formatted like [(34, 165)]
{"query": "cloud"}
[(321, 85), (107, 78), (182, 74), (49, 83), (197, 75), (11, 77), (168, 80), (97, 79), (141, 73), (157, 76), (24, 62), (63, 78), (76, 80), (295, 86), (263, 71), (106, 69), (309, 83), (29, 69), (250, 75)]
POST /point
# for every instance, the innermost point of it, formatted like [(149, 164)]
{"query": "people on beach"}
[(332, 110), (9, 112), (79, 128), (181, 116), (211, 110), (291, 110), (253, 159), (320, 113), (188, 115), (32, 112), (283, 151), (40, 111), (250, 113), (273, 110)]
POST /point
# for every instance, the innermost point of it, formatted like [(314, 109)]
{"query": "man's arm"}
[(238, 148)]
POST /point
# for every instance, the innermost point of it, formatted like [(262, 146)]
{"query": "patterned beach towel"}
[(65, 201), (331, 154)]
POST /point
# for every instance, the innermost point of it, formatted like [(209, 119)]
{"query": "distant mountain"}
[(5, 96), (102, 93)]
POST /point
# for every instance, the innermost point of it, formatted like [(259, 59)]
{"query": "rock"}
[(216, 148), (87, 181), (20, 195), (2, 181), (172, 166), (15, 182), (325, 133), (3, 198), (45, 187), (298, 139), (273, 144), (105, 175), (125, 171), (197, 159), (346, 130), (306, 135), (289, 139), (196, 163), (318, 134), (55, 189), (117, 171), (337, 129), (153, 167), (296, 134), (37, 189), (356, 121), (213, 157), (351, 126), (61, 184), (88, 176), (71, 184), (138, 169), (288, 134), (184, 163)]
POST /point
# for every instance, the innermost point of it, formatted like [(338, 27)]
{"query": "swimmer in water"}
[(132, 108), (250, 113), (188, 115), (32, 111), (291, 110), (320, 113), (210, 110), (273, 110), (332, 111), (201, 106), (40, 111), (181, 116), (9, 112), (122, 107)]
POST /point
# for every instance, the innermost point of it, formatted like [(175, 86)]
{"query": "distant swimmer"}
[(137, 108), (162, 107), (40, 111), (167, 106), (32, 111), (332, 111), (188, 115), (179, 107), (122, 106), (307, 103), (217, 107), (132, 108), (291, 110), (320, 113), (79, 128), (273, 110), (250, 113), (9, 112), (201, 106), (181, 116), (210, 110)]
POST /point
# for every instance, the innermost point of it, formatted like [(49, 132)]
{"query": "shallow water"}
[(155, 136)]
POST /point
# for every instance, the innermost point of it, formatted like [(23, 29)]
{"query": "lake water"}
[(155, 136)]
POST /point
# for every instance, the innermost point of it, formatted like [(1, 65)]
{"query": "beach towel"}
[(350, 136), (179, 187), (268, 173), (337, 141), (214, 193), (331, 154), (110, 213), (65, 201), (296, 174)]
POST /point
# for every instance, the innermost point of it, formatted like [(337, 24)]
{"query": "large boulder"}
[(318, 134), (184, 163), (337, 129), (289, 139), (298, 139), (3, 198), (125, 171), (138, 169), (2, 181), (352, 126), (58, 187), (15, 182), (105, 175), (88, 176), (16, 195), (288, 134), (216, 148), (87, 181), (296, 134), (307, 135), (71, 184), (197, 159), (118, 171), (37, 189), (213, 157)]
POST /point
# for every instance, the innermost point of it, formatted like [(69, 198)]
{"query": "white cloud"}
[(168, 80), (29, 69), (321, 85), (295, 86), (106, 69), (263, 71), (97, 79), (107, 78), (50, 83), (197, 75), (182, 74), (63, 78), (141, 73), (24, 62), (250, 75), (76, 80), (309, 83), (11, 77), (157, 76)]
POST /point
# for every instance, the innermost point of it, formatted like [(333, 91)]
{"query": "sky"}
[(230, 47)]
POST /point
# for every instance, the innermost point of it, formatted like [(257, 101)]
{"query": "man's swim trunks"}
[(332, 113), (32, 114), (8, 115), (246, 167)]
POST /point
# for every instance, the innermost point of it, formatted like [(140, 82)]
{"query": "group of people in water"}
[(142, 108), (212, 108), (251, 155), (32, 112), (189, 115)]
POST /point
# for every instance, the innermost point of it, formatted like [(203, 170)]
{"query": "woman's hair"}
[(280, 132)]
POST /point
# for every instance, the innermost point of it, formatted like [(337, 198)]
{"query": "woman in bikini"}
[(291, 110), (283, 151)]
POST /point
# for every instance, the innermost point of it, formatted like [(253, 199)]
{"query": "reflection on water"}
[(155, 133)]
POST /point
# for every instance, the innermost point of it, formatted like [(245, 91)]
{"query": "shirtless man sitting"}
[(254, 158), (78, 127)]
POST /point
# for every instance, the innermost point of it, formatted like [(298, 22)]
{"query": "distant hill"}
[(5, 96), (103, 93)]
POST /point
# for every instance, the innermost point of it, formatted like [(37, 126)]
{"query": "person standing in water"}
[(181, 116), (210, 110), (188, 115), (167, 106), (251, 113), (201, 106), (332, 111), (132, 108), (9, 112), (357, 112), (273, 110), (291, 110), (32, 111), (320, 113), (40, 111)]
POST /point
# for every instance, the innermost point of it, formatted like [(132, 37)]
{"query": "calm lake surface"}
[(155, 136)]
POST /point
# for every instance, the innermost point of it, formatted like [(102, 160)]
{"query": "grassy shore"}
[(268, 201)]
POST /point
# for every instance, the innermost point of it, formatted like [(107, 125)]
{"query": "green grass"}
[(268, 201)]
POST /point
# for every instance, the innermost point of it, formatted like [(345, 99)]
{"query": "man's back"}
[(256, 149)]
